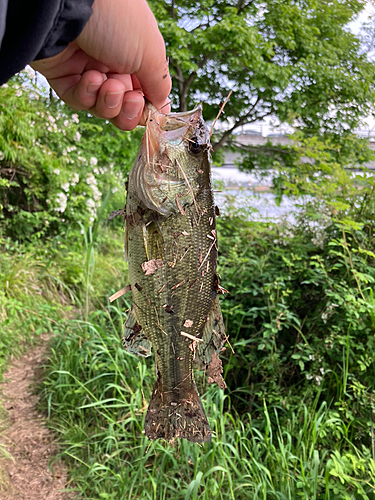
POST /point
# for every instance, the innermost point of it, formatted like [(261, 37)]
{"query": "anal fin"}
[(134, 339)]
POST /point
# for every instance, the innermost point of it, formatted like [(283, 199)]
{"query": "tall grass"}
[(96, 396)]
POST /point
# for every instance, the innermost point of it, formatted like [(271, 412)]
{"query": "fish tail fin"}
[(177, 414)]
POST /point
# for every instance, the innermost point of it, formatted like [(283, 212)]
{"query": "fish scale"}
[(172, 250)]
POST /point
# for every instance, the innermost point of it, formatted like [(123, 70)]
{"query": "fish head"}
[(174, 160)]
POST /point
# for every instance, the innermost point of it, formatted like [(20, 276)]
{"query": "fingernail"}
[(113, 99), (93, 88), (132, 108)]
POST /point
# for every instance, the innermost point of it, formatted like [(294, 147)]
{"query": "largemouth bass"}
[(171, 244)]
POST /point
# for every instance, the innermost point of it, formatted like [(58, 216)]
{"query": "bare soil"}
[(28, 475)]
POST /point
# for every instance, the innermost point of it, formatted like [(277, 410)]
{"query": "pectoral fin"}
[(153, 241), (134, 340), (213, 339)]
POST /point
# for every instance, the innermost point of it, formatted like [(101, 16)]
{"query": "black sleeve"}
[(36, 29)]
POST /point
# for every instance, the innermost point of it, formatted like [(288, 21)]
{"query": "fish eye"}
[(194, 146)]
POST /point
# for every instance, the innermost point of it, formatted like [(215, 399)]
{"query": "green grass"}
[(96, 396), (27, 306)]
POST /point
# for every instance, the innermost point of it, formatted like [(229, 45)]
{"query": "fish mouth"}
[(173, 128), (173, 149), (174, 121)]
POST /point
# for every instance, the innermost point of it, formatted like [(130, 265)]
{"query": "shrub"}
[(56, 165)]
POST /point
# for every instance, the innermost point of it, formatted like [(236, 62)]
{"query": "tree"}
[(295, 60)]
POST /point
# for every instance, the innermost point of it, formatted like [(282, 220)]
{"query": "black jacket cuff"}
[(67, 27), (37, 29)]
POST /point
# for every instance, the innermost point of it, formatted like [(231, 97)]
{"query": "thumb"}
[(124, 35)]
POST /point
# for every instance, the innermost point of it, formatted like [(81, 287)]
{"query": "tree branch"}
[(240, 121), (184, 84), (241, 6), (172, 10)]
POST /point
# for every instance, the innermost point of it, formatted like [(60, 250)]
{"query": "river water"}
[(235, 190)]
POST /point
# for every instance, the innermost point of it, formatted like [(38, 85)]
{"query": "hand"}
[(118, 58)]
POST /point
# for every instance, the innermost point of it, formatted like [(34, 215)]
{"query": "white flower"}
[(5, 86), (90, 203), (66, 123), (61, 200), (93, 161), (19, 93), (75, 179), (91, 181), (75, 118), (96, 193), (318, 379), (51, 119), (65, 186), (30, 72), (77, 136), (328, 312), (56, 171)]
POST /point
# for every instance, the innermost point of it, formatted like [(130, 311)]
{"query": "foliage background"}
[(297, 418)]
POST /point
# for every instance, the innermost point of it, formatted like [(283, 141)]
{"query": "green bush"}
[(56, 165), (301, 308)]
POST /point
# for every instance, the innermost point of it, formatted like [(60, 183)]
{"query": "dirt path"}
[(24, 436)]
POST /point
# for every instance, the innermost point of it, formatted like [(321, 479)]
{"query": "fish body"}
[(171, 244)]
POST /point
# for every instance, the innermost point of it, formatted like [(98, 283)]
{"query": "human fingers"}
[(133, 104), (124, 35), (155, 80), (131, 110), (79, 91), (153, 72), (164, 108), (109, 101)]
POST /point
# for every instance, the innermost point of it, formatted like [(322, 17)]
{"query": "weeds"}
[(97, 394)]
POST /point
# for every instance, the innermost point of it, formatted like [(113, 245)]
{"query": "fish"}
[(171, 245)]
